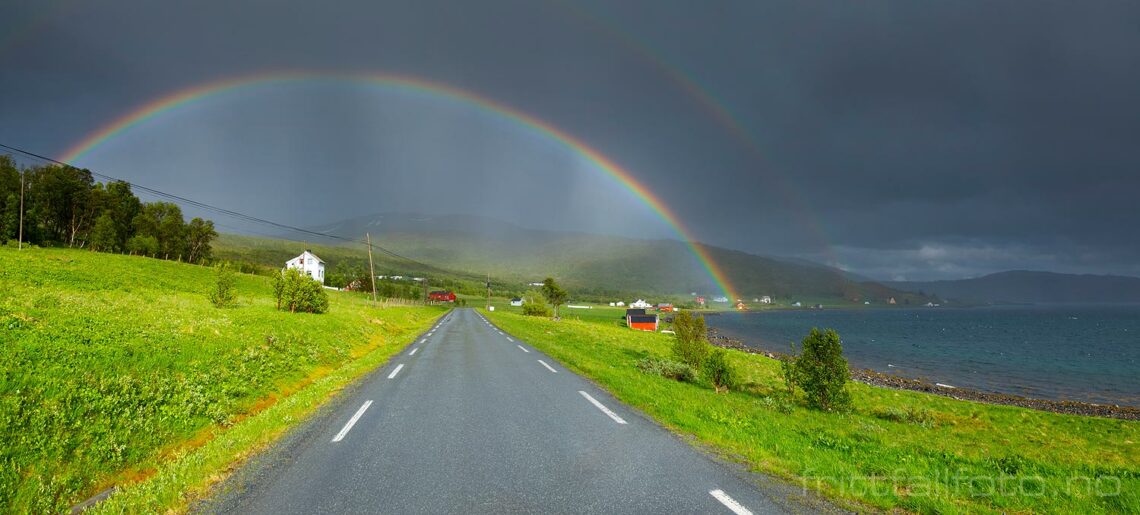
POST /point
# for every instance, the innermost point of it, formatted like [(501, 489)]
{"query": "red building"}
[(638, 319), (442, 296)]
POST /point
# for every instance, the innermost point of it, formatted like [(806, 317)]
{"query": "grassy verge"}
[(117, 369), (895, 450)]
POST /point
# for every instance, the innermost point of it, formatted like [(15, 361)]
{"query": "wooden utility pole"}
[(488, 290), (20, 238), (371, 271)]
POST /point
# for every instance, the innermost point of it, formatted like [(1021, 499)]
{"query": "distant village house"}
[(442, 296), (516, 302)]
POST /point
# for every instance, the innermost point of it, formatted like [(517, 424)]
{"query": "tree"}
[(223, 293), (58, 203), (719, 372), (143, 245), (691, 344), (821, 371), (199, 234), (162, 221), (553, 293), (9, 198), (123, 206), (279, 287), (104, 237)]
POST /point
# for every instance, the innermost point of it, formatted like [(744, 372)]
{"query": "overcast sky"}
[(916, 140)]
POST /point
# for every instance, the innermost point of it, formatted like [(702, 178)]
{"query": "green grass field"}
[(895, 450), (114, 366)]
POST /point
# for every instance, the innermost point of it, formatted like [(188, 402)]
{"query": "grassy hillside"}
[(895, 450), (590, 265), (114, 365)]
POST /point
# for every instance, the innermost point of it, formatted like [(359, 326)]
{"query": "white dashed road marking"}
[(729, 502), (602, 407), (522, 349), (351, 422), (397, 371), (548, 367)]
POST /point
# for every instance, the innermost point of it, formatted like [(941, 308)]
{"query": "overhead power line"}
[(221, 210)]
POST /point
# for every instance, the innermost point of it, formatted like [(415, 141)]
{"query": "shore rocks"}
[(882, 380)]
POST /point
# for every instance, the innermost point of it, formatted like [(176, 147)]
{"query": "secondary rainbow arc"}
[(166, 103)]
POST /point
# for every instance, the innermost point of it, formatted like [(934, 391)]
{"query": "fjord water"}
[(1080, 353)]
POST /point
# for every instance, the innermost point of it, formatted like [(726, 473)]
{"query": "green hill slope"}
[(111, 365)]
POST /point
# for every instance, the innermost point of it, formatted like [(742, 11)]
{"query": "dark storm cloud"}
[(897, 139)]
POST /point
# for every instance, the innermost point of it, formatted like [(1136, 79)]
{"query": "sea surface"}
[(1081, 353)]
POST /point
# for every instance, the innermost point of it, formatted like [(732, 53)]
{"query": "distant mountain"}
[(1022, 286), (597, 263)]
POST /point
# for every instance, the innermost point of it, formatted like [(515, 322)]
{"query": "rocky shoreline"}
[(873, 378)]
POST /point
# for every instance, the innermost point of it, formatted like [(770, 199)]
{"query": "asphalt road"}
[(471, 420)]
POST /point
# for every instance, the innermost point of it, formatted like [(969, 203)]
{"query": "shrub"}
[(719, 371), (690, 345), (667, 368), (535, 309), (788, 369), (909, 415), (821, 371), (298, 292), (223, 293)]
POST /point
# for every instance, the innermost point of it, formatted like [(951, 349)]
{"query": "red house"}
[(638, 319), (442, 296)]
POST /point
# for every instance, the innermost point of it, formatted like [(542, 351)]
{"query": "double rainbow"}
[(183, 97)]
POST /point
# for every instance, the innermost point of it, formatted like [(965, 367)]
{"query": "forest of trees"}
[(64, 206)]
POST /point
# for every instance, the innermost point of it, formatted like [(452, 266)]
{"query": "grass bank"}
[(895, 450), (113, 369)]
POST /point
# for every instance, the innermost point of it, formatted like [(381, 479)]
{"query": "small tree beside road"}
[(691, 345), (554, 294), (821, 371)]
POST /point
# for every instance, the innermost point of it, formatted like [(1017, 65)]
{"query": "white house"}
[(765, 299), (620, 303), (516, 302), (640, 304), (309, 264)]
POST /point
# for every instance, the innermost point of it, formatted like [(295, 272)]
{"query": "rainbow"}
[(716, 109), (622, 176)]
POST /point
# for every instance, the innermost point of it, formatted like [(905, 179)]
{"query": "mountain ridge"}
[(1032, 287)]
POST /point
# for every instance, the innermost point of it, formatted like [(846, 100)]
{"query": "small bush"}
[(718, 371), (690, 345), (778, 403), (535, 309), (674, 370), (298, 292), (788, 369), (821, 371), (909, 415), (223, 293)]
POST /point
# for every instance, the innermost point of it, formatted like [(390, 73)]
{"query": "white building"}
[(620, 303), (516, 302), (640, 304), (765, 299), (309, 264)]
